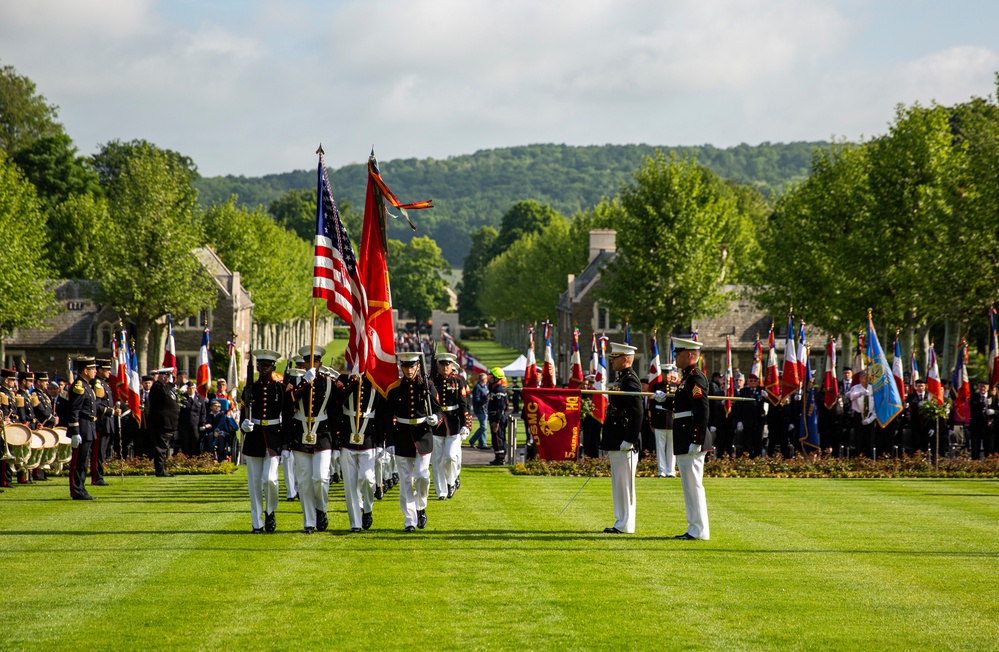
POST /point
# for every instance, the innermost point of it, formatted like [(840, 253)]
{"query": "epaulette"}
[(79, 387), (34, 400), (99, 390)]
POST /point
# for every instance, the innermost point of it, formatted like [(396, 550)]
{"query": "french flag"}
[(600, 382), (933, 385), (830, 384), (170, 354), (531, 369), (993, 357), (896, 368), (655, 369), (576, 373), (790, 380), (771, 381), (204, 377), (548, 369), (134, 386)]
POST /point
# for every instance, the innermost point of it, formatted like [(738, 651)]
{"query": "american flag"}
[(336, 277)]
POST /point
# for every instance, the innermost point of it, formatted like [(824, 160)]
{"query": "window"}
[(197, 322), (604, 321), (105, 334)]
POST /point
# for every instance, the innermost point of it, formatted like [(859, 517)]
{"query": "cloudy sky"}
[(252, 87)]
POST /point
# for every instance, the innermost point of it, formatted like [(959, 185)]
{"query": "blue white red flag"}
[(548, 366), (896, 368), (771, 379), (993, 355), (204, 374), (655, 369), (933, 385), (531, 367), (961, 386), (790, 378), (170, 353), (830, 384), (576, 364)]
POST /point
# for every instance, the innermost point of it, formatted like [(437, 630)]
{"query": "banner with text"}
[(553, 420)]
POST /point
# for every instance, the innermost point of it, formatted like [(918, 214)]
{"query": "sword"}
[(595, 467)]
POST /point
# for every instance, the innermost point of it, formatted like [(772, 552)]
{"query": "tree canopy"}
[(25, 116), (415, 272)]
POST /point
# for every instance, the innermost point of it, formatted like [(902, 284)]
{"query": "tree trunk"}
[(846, 359), (143, 326)]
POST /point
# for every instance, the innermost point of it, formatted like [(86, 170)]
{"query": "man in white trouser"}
[(311, 440), (622, 429), (690, 424), (414, 406), (358, 433), (262, 441), (453, 429), (661, 418)]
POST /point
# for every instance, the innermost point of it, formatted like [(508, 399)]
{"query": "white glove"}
[(659, 396), (738, 427), (930, 432), (309, 376), (766, 430), (990, 411), (246, 426), (391, 450), (790, 427), (464, 433), (869, 419), (694, 448), (77, 440), (626, 446), (712, 429), (433, 420)]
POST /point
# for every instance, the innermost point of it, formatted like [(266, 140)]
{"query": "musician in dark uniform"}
[(8, 385), (414, 405), (453, 429), (82, 426), (359, 437), (107, 412), (162, 417), (311, 440), (41, 402), (262, 440), (690, 427), (622, 429), (661, 416), (24, 414)]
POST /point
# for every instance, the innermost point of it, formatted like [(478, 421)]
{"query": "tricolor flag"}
[(771, 380), (962, 388), (655, 369), (756, 369), (802, 353), (531, 368), (993, 356), (790, 379), (887, 402), (933, 386), (204, 374), (134, 385), (336, 276), (576, 372), (808, 428), (830, 384), (600, 382), (858, 360), (913, 370), (170, 352), (548, 367), (896, 368), (114, 380), (121, 392), (380, 365), (729, 378)]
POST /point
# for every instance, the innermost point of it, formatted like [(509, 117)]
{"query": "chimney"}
[(572, 287), (602, 240)]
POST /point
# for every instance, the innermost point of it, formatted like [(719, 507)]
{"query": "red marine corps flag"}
[(381, 366), (552, 418)]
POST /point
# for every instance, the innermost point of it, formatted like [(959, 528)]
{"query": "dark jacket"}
[(623, 422), (193, 415), (412, 400), (162, 410), (690, 416)]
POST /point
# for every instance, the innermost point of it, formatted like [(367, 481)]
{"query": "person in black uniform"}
[(453, 429), (41, 402), (82, 426), (413, 404), (359, 435), (622, 429), (311, 440), (192, 424), (162, 416), (750, 416), (106, 413), (8, 385), (983, 408), (25, 414), (262, 441), (661, 420), (690, 427)]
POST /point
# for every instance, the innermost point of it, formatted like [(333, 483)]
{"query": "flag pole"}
[(308, 438)]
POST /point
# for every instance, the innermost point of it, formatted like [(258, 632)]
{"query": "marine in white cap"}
[(310, 439), (263, 439), (622, 429), (453, 429)]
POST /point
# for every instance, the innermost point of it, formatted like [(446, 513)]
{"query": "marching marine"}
[(453, 429), (359, 432), (310, 440), (262, 441)]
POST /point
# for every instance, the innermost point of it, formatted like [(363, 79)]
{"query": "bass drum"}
[(64, 448), (51, 447), (37, 447), (17, 442)]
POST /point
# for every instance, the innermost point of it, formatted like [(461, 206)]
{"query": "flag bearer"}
[(262, 441)]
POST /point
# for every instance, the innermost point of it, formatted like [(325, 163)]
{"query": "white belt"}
[(411, 422), (681, 415), (364, 415), (451, 408), (301, 417), (266, 422)]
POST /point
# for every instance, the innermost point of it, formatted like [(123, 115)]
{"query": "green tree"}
[(148, 269), (415, 271), (52, 165), (77, 236), (25, 116), (24, 298), (275, 264), (523, 217), (479, 255), (295, 210), (672, 257), (115, 156)]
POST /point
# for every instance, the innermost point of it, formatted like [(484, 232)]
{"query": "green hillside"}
[(473, 190)]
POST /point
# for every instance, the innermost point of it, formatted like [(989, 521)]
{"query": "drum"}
[(37, 449), (51, 447), (17, 441), (64, 448)]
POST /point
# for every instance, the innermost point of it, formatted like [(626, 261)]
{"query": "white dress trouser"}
[(623, 465), (358, 482), (381, 474), (691, 477), (312, 470), (445, 462), (262, 481), (414, 485), (664, 453), (288, 465)]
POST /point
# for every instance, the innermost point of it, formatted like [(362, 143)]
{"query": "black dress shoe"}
[(270, 523), (84, 497), (322, 522), (450, 490), (441, 497), (379, 493), (257, 530), (395, 478), (410, 528), (685, 537), (309, 530), (366, 520), (457, 483), (496, 462), (336, 477), (354, 530), (612, 530), (99, 483), (290, 499), (421, 519), (164, 475)]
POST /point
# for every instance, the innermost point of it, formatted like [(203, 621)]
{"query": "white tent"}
[(516, 368)]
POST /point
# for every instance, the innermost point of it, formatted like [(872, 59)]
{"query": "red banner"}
[(553, 420)]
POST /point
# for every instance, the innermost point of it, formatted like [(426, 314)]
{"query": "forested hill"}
[(473, 190)]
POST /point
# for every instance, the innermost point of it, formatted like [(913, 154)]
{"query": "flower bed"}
[(179, 464)]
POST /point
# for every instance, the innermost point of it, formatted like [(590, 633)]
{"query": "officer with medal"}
[(310, 440), (622, 429), (262, 440), (360, 433), (82, 426), (690, 425), (106, 413), (453, 429), (414, 406)]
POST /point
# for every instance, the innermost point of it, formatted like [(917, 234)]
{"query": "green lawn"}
[(168, 563)]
